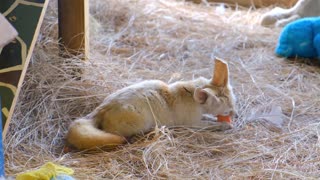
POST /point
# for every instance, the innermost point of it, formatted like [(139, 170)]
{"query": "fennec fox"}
[(140, 107)]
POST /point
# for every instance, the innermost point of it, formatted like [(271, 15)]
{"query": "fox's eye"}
[(226, 113)]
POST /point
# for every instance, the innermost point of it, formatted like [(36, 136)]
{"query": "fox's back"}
[(141, 93)]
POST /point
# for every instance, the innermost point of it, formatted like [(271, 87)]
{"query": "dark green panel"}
[(5, 4), (25, 19), (11, 55), (11, 77), (6, 100)]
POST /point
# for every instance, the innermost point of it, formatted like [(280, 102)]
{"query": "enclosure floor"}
[(276, 130)]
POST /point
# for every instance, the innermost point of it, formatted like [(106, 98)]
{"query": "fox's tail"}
[(84, 135)]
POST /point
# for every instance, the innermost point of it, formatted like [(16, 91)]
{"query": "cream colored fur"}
[(141, 107), (280, 17)]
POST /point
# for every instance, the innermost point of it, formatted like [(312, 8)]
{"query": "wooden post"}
[(73, 25)]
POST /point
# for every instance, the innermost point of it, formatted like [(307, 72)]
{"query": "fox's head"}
[(217, 97)]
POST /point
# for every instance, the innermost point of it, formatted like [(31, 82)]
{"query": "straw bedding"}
[(276, 130)]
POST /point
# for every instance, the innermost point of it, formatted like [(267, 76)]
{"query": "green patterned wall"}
[(24, 15)]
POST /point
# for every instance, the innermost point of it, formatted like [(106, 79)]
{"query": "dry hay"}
[(171, 40)]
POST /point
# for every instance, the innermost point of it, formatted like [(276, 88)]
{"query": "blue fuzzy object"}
[(300, 38)]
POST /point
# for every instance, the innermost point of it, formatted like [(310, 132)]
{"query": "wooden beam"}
[(73, 25)]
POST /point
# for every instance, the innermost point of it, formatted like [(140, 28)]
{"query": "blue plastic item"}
[(300, 38)]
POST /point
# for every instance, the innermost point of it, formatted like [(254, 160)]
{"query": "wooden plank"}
[(73, 25), (26, 17)]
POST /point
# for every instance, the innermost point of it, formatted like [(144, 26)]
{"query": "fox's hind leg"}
[(124, 122), (276, 14)]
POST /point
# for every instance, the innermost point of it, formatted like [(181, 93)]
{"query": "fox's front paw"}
[(279, 17), (270, 18), (208, 117)]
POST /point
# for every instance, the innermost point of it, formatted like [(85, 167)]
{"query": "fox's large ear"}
[(221, 73), (200, 95)]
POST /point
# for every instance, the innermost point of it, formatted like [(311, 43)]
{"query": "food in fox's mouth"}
[(224, 118)]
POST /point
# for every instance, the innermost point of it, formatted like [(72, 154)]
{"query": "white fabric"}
[(7, 31)]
